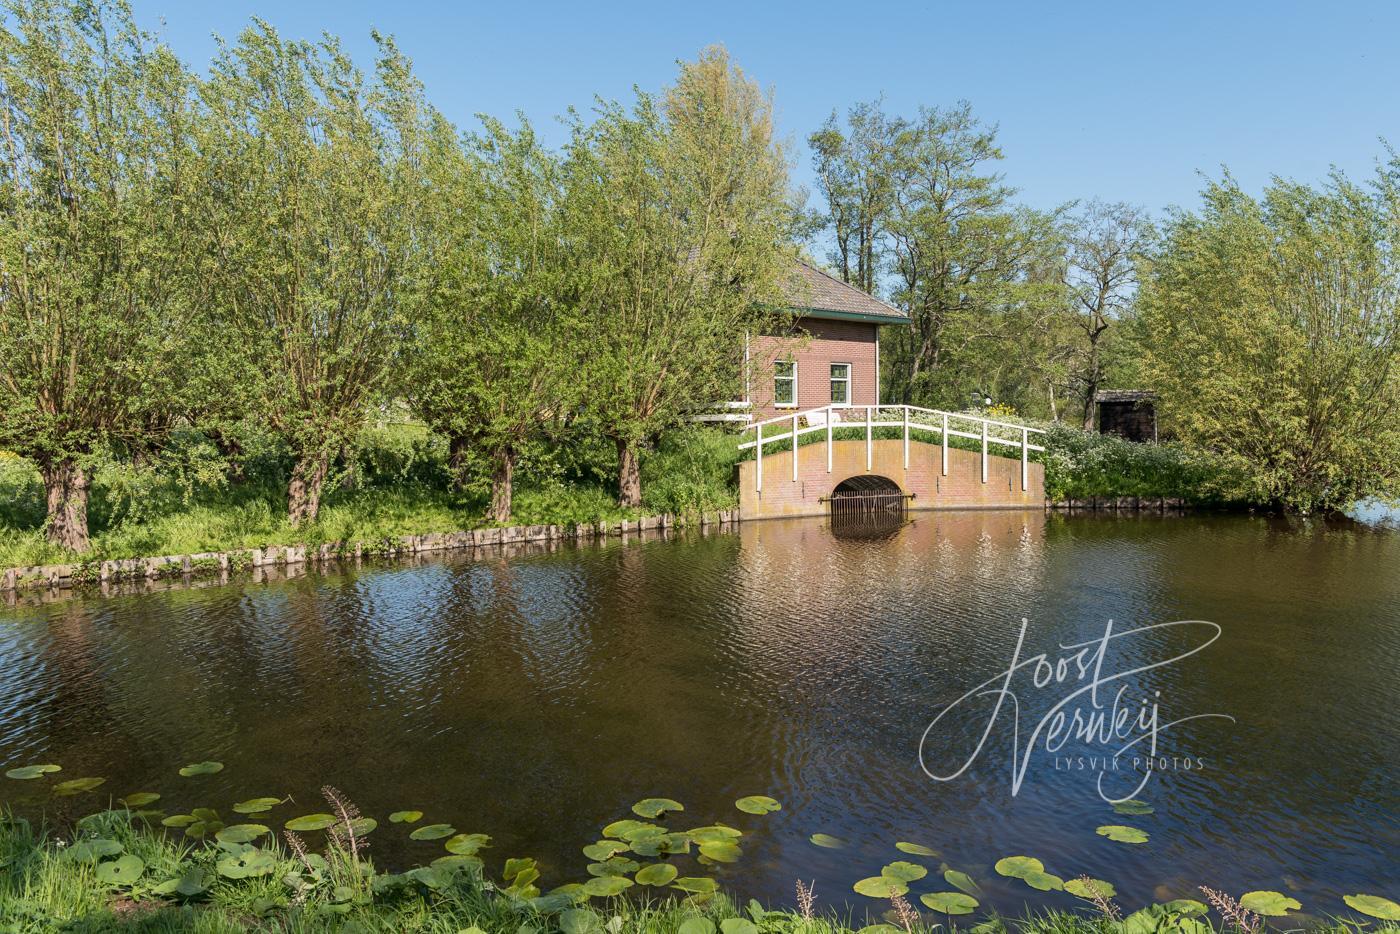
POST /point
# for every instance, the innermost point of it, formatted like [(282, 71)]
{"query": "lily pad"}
[(139, 800), (467, 844), (256, 805), (179, 820), (1188, 907), (619, 829), (405, 817), (1269, 904), (604, 849), (1043, 881), (655, 807), (827, 840), (76, 786), (194, 881), (363, 826), (696, 885), (1374, 905), (904, 871), (202, 768), (26, 772), (124, 870), (881, 887), (208, 815), (607, 886), (579, 921), (91, 850), (201, 828), (1121, 834), (961, 880), (313, 822), (1132, 807), (656, 874), (616, 866), (696, 925), (247, 865), (950, 903), (1090, 888), (241, 833), (714, 832), (915, 849), (722, 851), (758, 804), (1018, 867), (457, 861)]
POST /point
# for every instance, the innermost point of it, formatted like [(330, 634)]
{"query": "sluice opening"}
[(867, 506)]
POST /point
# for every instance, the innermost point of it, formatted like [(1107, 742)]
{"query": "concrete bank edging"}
[(62, 576)]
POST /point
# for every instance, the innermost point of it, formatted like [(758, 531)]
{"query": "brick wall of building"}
[(826, 342)]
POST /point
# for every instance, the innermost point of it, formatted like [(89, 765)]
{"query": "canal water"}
[(536, 697)]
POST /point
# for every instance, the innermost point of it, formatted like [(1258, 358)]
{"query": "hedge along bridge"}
[(899, 450)]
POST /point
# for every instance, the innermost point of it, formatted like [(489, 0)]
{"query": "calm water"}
[(534, 698)]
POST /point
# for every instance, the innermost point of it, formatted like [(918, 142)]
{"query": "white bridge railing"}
[(909, 418)]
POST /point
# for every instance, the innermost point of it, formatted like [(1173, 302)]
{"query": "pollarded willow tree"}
[(307, 178), (94, 119), (494, 358), (1272, 330), (678, 222)]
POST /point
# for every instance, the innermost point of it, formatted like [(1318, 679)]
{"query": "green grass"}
[(47, 884)]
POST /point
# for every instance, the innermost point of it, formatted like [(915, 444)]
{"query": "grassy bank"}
[(116, 873)]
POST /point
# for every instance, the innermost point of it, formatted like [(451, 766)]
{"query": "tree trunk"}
[(232, 453), (629, 476), (67, 487), (304, 492), (457, 448), (502, 484)]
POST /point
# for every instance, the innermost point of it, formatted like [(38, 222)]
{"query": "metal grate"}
[(854, 511)]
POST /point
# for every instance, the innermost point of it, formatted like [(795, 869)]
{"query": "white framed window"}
[(785, 384), (840, 384)]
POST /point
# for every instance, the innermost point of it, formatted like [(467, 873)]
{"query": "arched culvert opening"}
[(867, 503)]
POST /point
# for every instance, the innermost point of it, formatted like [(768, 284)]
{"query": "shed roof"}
[(819, 294), (1125, 395)]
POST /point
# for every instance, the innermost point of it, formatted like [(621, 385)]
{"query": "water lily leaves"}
[(124, 870), (961, 880), (827, 840), (466, 844), (202, 828), (26, 772), (1091, 888), (431, 832), (202, 768), (737, 926), (1187, 907), (363, 826), (246, 865), (950, 903), (696, 885), (904, 871), (714, 833), (655, 807), (456, 862), (606, 886), (655, 845), (721, 851), (179, 820), (604, 849), (915, 849), (579, 921), (317, 822), (1043, 881), (758, 804), (656, 874), (1121, 834), (881, 887), (1374, 905), (139, 800), (1018, 867), (621, 828), (696, 925), (208, 815), (241, 833), (256, 805), (405, 817), (1269, 904), (77, 786), (617, 866), (195, 881), (1132, 807), (90, 851)]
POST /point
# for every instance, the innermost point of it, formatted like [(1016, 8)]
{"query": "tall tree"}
[(308, 234), (678, 220), (1106, 244), (1273, 331), (854, 174), (493, 359), (93, 189)]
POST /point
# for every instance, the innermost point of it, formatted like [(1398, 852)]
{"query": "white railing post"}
[(945, 444), (758, 459), (1025, 459), (984, 450), (869, 439), (829, 414), (906, 437), (794, 449)]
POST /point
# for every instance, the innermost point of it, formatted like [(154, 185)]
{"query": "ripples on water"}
[(535, 698)]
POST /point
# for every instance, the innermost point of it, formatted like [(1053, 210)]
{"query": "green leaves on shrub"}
[(696, 925)]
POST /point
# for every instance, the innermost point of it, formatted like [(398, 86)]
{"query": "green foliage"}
[(1084, 464)]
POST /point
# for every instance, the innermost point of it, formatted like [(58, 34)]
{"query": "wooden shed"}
[(1128, 413)]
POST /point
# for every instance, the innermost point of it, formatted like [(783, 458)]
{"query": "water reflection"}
[(535, 697)]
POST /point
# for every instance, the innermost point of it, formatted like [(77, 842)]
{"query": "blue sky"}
[(1124, 101)]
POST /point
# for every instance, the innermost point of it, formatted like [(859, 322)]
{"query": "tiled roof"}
[(815, 292)]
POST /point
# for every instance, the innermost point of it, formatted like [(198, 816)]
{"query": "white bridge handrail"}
[(910, 418)]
